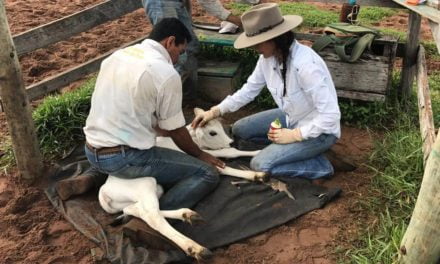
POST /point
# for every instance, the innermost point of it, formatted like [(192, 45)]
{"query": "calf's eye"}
[(212, 133)]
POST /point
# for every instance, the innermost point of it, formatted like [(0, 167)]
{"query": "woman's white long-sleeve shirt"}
[(310, 102)]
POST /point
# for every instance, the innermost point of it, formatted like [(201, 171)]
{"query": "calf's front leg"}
[(230, 153), (245, 174)]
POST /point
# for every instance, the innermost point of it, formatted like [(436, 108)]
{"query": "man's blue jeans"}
[(158, 9), (304, 159), (186, 180)]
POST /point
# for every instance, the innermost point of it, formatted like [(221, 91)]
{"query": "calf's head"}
[(211, 136)]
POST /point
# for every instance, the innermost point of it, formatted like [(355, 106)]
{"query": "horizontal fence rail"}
[(66, 27), (86, 19)]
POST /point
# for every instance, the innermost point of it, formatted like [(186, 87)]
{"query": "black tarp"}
[(231, 213)]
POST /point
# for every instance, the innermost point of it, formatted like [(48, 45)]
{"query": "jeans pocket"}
[(111, 163)]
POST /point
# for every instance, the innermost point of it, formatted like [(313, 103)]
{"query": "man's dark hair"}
[(170, 26)]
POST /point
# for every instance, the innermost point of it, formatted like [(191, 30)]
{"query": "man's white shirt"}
[(137, 89)]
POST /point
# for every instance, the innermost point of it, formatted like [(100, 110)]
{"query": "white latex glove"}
[(227, 27), (285, 135), (204, 117)]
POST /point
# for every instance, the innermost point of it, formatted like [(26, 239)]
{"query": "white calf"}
[(213, 139), (140, 197)]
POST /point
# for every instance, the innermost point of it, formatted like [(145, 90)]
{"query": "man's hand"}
[(234, 19), (202, 118), (284, 135), (208, 158)]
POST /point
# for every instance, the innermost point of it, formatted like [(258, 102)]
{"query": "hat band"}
[(262, 30)]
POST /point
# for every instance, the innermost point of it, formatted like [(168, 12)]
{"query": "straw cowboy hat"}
[(263, 22)]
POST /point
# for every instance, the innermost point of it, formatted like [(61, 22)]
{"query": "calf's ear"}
[(198, 111)]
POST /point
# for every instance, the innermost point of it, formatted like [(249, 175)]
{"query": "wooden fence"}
[(53, 32)]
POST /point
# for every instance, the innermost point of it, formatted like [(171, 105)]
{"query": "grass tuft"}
[(313, 16), (59, 119), (397, 163), (371, 14)]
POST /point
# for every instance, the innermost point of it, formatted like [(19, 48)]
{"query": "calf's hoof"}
[(202, 254), (262, 176), (193, 218)]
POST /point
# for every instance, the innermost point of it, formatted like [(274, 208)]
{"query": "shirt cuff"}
[(173, 122), (305, 131), (223, 108)]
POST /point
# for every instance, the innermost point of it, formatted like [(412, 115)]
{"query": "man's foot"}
[(74, 186), (339, 163), (141, 233)]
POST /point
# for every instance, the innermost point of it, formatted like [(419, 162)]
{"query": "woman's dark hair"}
[(170, 26), (282, 44)]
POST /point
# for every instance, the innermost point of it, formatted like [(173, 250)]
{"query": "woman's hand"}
[(284, 135), (204, 117)]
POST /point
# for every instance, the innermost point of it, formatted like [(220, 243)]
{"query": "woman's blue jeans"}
[(304, 158), (186, 180)]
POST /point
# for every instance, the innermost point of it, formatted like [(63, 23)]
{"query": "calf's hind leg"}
[(147, 208)]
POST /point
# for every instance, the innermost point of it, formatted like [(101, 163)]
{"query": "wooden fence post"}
[(426, 118), (410, 58), (16, 106), (421, 243)]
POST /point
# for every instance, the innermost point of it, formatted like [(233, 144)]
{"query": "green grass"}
[(317, 17), (397, 162), (434, 87), (313, 16), (394, 33), (431, 50), (368, 15), (59, 119)]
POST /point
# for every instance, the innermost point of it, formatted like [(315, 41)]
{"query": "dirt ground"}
[(31, 231)]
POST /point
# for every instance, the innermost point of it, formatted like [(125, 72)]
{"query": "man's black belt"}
[(107, 150)]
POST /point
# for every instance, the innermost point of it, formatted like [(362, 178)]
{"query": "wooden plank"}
[(427, 128), (361, 96), (410, 58), (364, 76), (17, 108), (381, 3), (62, 79), (215, 89), (423, 10), (55, 31)]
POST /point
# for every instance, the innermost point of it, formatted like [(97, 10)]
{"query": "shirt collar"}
[(293, 48), (149, 43)]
